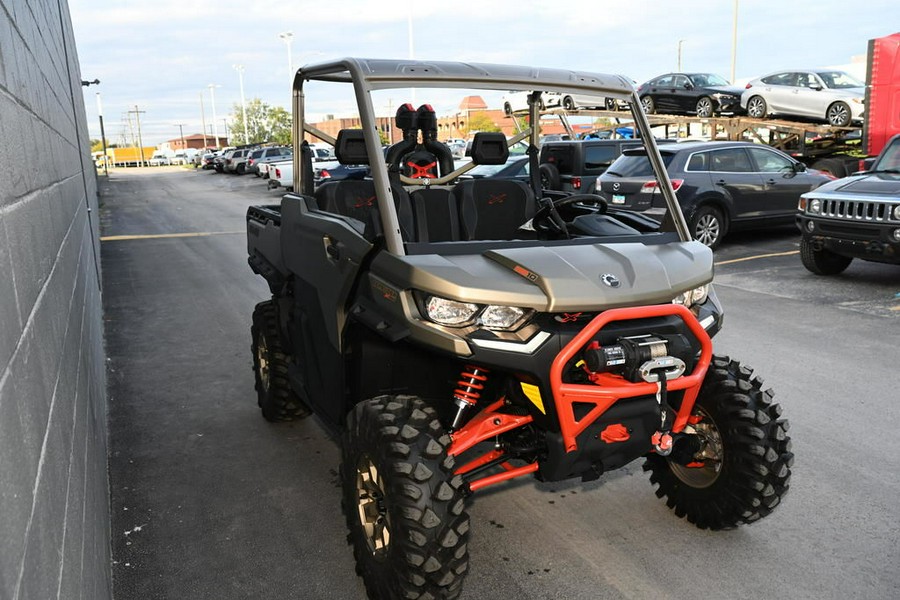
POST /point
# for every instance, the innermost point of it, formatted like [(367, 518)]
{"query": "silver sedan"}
[(821, 94)]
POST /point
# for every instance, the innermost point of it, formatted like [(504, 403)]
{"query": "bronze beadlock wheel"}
[(405, 508), (275, 396), (742, 467)]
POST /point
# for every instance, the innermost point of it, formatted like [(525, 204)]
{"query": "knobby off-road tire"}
[(405, 508), (744, 470), (822, 261), (270, 366)]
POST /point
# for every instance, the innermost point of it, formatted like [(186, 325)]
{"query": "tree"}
[(264, 123), (481, 122)]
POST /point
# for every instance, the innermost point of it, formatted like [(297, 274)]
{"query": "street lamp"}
[(680, 42), (734, 41), (203, 121), (240, 70), (212, 94), (102, 134), (288, 37)]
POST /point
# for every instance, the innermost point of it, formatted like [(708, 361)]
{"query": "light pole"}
[(734, 41), (240, 70), (680, 42), (288, 37), (102, 134), (203, 121), (212, 94)]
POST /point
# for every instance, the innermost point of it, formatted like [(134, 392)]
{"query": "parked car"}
[(236, 161), (854, 217), (263, 155), (514, 102), (703, 94), (219, 160), (574, 165), (281, 174), (835, 96), (576, 101), (721, 186), (159, 160), (337, 171), (514, 168)]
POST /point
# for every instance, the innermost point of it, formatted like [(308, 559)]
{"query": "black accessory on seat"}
[(489, 148), (350, 147), (427, 121), (406, 121)]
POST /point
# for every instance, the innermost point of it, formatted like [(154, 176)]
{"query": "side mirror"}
[(815, 86), (688, 86), (799, 167)]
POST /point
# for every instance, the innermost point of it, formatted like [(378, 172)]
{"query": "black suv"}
[(721, 186), (855, 217), (574, 165)]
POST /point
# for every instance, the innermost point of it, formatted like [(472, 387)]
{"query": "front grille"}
[(856, 210)]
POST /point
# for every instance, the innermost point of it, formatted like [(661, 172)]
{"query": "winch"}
[(650, 357)]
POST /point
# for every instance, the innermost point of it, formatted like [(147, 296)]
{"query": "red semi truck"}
[(882, 93)]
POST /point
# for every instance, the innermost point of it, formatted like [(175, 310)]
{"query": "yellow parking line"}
[(156, 236), (746, 258)]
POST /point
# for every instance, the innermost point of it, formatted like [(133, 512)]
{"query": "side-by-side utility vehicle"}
[(461, 332)]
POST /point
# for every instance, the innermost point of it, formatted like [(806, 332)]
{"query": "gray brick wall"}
[(54, 489)]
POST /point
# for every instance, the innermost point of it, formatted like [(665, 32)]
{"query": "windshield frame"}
[(368, 75)]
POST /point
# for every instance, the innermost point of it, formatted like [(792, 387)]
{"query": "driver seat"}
[(489, 208)]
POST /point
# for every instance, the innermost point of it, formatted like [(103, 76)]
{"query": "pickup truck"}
[(281, 174), (853, 217)]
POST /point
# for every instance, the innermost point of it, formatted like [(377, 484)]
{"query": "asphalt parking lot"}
[(211, 501)]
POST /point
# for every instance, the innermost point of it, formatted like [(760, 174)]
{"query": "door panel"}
[(732, 172), (782, 184), (324, 251)]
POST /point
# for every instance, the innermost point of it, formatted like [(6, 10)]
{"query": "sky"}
[(161, 56)]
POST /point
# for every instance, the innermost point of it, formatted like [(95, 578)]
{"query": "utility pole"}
[(102, 135), (181, 131), (680, 42), (137, 116), (227, 134), (203, 120)]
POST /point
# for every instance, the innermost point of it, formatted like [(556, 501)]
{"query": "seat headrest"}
[(489, 148), (350, 147)]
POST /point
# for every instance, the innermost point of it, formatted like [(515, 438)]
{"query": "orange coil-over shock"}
[(468, 391)]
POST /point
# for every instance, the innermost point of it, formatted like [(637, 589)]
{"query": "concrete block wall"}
[(54, 489)]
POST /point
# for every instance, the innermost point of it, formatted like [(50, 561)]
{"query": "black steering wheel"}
[(547, 219)]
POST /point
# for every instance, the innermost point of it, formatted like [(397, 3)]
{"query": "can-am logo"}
[(610, 280)]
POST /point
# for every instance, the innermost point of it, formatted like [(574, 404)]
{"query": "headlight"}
[(815, 206), (897, 212), (692, 297), (453, 313), (501, 317), (450, 312)]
